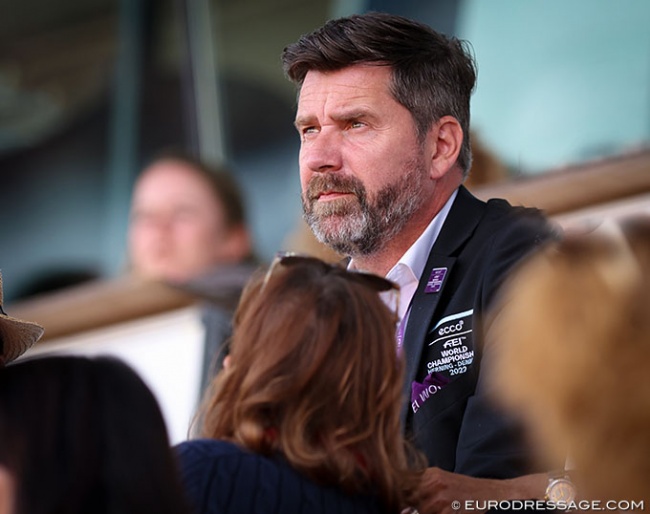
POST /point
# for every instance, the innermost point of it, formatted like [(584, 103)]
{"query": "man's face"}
[(177, 227), (362, 169)]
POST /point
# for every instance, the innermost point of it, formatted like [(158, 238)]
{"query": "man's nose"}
[(322, 152)]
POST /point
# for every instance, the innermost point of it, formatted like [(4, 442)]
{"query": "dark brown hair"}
[(432, 75), (85, 435), (315, 376)]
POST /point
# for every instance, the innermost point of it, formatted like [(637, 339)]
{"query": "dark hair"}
[(85, 435), (220, 179), (432, 75), (315, 376)]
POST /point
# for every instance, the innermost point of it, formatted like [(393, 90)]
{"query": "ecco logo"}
[(451, 329)]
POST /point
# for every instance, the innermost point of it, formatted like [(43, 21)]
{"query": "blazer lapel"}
[(461, 222)]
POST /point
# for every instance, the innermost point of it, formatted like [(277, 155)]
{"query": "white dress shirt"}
[(406, 273)]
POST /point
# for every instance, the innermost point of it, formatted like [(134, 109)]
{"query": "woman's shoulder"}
[(212, 459), (227, 476), (206, 448)]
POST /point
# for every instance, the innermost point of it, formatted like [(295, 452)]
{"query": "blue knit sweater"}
[(220, 477)]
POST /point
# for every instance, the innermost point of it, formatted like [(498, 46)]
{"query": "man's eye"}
[(308, 132), (357, 124)]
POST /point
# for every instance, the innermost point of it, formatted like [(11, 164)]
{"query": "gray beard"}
[(364, 226)]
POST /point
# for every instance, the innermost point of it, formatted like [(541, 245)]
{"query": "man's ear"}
[(7, 491), (446, 140)]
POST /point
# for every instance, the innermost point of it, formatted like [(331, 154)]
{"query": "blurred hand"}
[(442, 492)]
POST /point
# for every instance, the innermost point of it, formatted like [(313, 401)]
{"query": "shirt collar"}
[(406, 273), (415, 258)]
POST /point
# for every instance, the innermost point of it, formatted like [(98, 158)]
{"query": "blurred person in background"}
[(188, 228), (574, 330), (80, 435), (16, 336), (186, 220), (305, 417)]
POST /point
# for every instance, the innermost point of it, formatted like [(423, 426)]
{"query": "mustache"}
[(327, 183)]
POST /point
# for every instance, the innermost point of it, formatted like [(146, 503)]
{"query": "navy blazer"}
[(448, 413)]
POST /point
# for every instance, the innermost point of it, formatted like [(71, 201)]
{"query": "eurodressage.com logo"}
[(540, 505)]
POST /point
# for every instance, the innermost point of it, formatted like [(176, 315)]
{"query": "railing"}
[(98, 304), (574, 188)]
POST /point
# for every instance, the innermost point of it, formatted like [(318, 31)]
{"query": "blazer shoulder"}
[(517, 218)]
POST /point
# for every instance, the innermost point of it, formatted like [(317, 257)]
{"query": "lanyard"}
[(401, 328)]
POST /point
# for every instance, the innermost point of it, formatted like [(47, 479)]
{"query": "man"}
[(188, 227), (383, 116), (16, 336)]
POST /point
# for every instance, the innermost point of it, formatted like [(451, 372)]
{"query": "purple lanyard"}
[(401, 328)]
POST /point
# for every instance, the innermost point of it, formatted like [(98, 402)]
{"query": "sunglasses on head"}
[(374, 282)]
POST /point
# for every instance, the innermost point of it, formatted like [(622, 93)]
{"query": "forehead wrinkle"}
[(347, 92), (349, 111)]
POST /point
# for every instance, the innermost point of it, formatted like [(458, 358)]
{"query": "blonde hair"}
[(314, 375), (574, 354)]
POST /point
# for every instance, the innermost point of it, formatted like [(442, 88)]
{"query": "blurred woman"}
[(575, 355), (80, 435), (306, 416)]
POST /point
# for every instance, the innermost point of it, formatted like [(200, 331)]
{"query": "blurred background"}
[(90, 90)]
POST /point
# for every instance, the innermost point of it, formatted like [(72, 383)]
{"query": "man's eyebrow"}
[(354, 114), (301, 121)]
